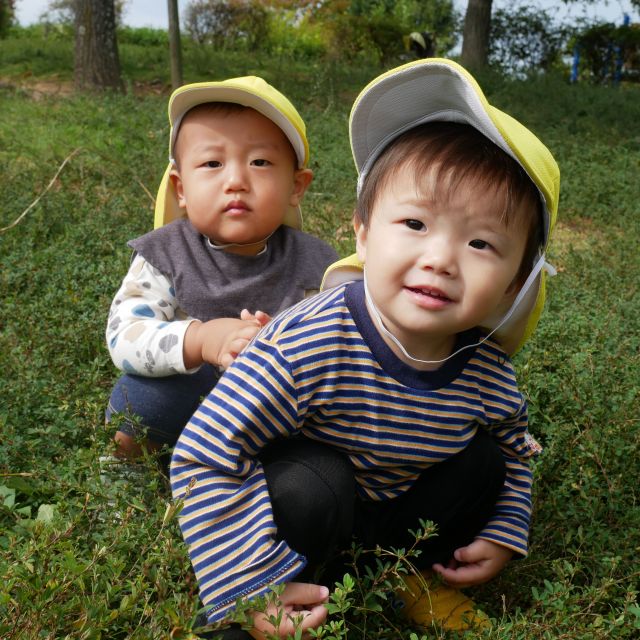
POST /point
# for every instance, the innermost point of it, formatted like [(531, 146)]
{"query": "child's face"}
[(435, 269), (236, 177)]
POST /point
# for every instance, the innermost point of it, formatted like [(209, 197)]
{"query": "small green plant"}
[(360, 605)]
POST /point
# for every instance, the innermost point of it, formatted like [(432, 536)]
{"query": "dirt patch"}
[(151, 87), (38, 89), (45, 88), (58, 88)]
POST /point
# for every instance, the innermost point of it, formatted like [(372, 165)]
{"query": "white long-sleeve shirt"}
[(146, 326)]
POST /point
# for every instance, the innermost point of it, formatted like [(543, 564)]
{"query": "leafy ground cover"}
[(81, 559)]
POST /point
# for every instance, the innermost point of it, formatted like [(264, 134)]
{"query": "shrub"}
[(227, 24), (143, 36), (524, 39), (376, 38), (606, 50), (290, 36), (379, 29), (438, 18)]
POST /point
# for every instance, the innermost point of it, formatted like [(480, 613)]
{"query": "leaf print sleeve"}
[(146, 327)]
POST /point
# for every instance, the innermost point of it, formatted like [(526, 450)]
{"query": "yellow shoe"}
[(427, 601)]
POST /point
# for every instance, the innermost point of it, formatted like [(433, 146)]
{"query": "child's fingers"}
[(262, 317), (469, 554), (227, 359), (313, 617), (304, 593), (463, 576), (303, 617), (259, 317)]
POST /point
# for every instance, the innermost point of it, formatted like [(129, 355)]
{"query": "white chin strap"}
[(537, 268)]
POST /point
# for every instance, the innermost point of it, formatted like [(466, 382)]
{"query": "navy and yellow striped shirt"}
[(322, 369)]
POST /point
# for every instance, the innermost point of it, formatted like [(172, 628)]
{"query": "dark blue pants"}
[(159, 408)]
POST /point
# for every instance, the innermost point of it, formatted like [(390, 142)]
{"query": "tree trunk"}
[(7, 15), (175, 50), (97, 65), (475, 37)]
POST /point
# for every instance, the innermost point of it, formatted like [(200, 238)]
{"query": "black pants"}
[(313, 494)]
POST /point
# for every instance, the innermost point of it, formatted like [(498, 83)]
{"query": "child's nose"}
[(235, 177), (438, 255)]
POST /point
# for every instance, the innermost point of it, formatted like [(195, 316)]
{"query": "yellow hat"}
[(436, 89), (249, 91)]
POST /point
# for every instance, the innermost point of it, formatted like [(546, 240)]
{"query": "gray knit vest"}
[(211, 283)]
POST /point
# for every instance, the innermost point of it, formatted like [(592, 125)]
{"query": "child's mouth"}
[(430, 293), (237, 206)]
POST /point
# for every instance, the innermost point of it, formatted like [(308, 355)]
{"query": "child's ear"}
[(301, 181), (178, 187), (361, 237)]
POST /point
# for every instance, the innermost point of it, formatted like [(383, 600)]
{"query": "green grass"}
[(72, 570)]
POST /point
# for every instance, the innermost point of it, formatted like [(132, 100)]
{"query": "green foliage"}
[(236, 24), (304, 41), (373, 38), (143, 36), (371, 30), (81, 559), (439, 18), (378, 30), (526, 39), (603, 46)]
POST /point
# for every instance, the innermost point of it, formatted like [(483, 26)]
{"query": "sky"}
[(153, 13)]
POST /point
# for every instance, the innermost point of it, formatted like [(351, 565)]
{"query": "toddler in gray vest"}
[(227, 252)]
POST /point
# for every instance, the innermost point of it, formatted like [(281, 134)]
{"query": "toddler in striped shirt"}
[(389, 398)]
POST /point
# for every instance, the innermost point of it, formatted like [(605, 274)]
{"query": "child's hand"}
[(220, 341), (298, 599), (476, 563), (238, 339), (234, 342)]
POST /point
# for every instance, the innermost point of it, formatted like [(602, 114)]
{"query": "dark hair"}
[(455, 153)]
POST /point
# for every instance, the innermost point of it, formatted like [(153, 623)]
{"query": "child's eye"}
[(479, 244), (414, 225), (261, 162), (212, 164)]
